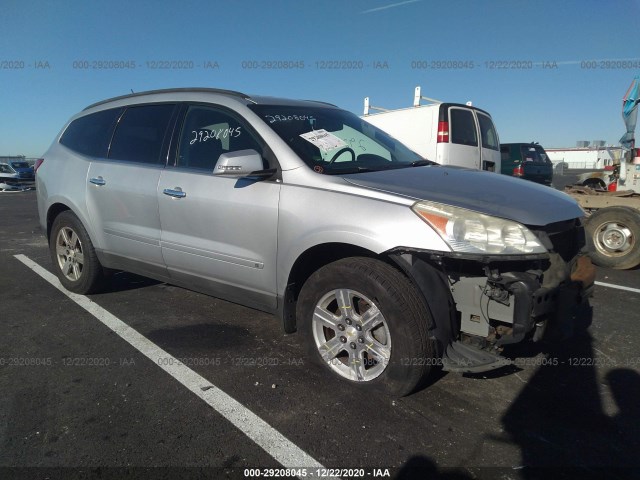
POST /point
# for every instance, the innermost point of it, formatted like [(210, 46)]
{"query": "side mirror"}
[(243, 163)]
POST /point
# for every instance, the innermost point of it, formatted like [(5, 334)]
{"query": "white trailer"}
[(594, 157)]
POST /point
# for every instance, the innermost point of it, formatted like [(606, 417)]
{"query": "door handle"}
[(175, 192), (98, 181)]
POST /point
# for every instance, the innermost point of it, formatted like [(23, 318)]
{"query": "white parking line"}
[(269, 439), (619, 287)]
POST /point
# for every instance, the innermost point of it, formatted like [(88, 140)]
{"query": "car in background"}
[(11, 180), (526, 160), (600, 180), (22, 168)]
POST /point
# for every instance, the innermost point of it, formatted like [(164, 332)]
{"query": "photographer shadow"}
[(558, 419)]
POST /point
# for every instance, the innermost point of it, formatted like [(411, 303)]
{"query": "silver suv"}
[(386, 262)]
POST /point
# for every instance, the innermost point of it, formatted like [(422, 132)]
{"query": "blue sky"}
[(44, 45)]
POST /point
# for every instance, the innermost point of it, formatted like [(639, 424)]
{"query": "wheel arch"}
[(61, 205), (430, 281), (308, 262), (52, 213), (433, 285)]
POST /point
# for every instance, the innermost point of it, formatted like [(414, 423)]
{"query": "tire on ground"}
[(595, 183), (89, 273), (405, 314), (617, 219)]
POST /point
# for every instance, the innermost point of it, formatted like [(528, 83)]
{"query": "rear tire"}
[(366, 322), (74, 259), (613, 235)]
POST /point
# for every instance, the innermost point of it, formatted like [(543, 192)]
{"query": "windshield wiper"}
[(422, 163), (378, 168), (350, 170)]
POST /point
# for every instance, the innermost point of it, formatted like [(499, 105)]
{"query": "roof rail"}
[(367, 107), (416, 102), (417, 97), (171, 90)]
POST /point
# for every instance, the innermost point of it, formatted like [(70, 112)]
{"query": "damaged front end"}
[(495, 301)]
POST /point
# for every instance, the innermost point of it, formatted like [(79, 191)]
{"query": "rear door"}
[(121, 189), (490, 145), (219, 234), (463, 148)]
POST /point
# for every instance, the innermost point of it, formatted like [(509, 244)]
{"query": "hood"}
[(485, 192)]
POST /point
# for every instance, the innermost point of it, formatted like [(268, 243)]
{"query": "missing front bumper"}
[(506, 308)]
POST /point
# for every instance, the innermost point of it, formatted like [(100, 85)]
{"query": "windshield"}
[(333, 141), (20, 164)]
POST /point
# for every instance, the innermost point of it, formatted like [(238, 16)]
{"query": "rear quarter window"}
[(90, 135)]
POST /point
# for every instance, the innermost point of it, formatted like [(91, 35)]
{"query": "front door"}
[(219, 234)]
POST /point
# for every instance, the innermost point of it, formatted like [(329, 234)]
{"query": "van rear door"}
[(463, 148), (490, 150)]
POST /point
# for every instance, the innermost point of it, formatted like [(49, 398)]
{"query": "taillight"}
[(518, 171), (443, 132), (613, 186), (36, 165)]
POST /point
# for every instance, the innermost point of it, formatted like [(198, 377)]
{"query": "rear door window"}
[(90, 135), (488, 132), (140, 134), (463, 127)]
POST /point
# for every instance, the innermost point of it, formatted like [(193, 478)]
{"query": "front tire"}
[(613, 234), (73, 256), (366, 322)]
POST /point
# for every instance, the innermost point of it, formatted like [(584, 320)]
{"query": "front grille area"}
[(565, 238)]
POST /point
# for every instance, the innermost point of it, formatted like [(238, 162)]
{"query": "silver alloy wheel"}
[(351, 335), (613, 239), (69, 254)]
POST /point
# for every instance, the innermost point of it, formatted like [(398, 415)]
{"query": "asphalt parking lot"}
[(80, 399)]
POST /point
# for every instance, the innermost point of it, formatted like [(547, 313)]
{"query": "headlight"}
[(472, 232)]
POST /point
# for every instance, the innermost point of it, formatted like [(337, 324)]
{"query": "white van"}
[(447, 133)]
